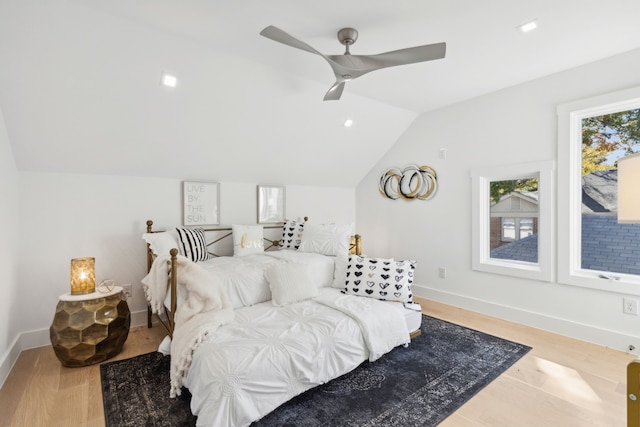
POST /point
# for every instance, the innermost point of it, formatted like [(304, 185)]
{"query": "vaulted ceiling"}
[(80, 79)]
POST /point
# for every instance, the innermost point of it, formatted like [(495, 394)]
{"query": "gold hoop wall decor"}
[(412, 182)]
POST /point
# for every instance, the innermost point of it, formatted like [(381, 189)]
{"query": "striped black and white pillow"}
[(192, 243)]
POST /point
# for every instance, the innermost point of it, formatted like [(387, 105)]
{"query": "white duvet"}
[(266, 355), (269, 354)]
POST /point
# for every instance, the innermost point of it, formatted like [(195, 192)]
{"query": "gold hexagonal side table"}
[(90, 328)]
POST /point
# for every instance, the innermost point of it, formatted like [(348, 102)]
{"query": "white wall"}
[(9, 329), (511, 126), (64, 216)]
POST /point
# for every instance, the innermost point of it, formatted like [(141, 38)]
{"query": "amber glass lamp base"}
[(90, 331)]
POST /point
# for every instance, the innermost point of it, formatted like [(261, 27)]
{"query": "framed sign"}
[(201, 200), (270, 204)]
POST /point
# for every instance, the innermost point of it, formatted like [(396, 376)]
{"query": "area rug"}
[(419, 385)]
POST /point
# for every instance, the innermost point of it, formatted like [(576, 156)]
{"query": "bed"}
[(282, 315)]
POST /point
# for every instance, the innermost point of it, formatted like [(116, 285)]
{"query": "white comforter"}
[(269, 354), (266, 355)]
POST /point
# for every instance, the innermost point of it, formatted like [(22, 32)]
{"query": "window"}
[(512, 220), (508, 229), (525, 228), (593, 249), (516, 229)]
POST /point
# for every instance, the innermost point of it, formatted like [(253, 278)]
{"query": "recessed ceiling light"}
[(528, 26), (169, 81), (348, 123)]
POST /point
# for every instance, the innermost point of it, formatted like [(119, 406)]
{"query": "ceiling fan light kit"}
[(347, 67)]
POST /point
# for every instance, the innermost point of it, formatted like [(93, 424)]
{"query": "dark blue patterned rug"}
[(416, 386)]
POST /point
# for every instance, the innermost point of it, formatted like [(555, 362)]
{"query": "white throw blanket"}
[(205, 308), (383, 326)]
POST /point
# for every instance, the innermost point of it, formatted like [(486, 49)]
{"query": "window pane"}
[(526, 227), (508, 229), (607, 245)]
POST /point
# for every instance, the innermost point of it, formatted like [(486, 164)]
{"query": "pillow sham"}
[(326, 239), (340, 270), (247, 239), (162, 242), (192, 243), (292, 234), (379, 278), (289, 283)]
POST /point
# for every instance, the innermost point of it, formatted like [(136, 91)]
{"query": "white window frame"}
[(570, 118), (481, 217)]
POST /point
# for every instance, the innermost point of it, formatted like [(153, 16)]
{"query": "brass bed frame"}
[(271, 244)]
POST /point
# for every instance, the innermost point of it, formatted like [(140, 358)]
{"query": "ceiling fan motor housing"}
[(347, 37)]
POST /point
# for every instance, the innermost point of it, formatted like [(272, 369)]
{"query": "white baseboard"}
[(40, 338), (584, 332)]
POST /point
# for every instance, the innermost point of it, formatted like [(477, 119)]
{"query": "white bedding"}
[(266, 355)]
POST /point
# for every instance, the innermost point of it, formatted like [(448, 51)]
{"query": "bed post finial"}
[(149, 225), (174, 293)]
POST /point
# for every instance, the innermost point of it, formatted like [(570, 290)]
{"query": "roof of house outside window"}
[(600, 192), (520, 250)]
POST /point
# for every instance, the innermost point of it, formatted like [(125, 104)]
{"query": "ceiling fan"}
[(347, 67)]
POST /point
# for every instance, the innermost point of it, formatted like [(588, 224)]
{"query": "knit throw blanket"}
[(203, 307)]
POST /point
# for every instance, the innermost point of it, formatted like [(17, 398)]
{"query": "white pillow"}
[(289, 283), (340, 270), (247, 239), (161, 243), (379, 278), (192, 243), (326, 239)]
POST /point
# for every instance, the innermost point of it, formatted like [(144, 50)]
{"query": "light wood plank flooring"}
[(561, 382)]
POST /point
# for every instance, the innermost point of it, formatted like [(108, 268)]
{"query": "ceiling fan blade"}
[(410, 55), (357, 65), (276, 34), (335, 92)]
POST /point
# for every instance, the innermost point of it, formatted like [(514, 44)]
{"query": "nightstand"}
[(90, 328)]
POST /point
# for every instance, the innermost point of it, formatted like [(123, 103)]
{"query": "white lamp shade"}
[(629, 189)]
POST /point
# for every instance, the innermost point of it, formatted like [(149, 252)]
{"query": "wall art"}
[(271, 202), (201, 203), (411, 183)]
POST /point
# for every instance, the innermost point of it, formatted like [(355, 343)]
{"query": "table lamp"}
[(83, 276)]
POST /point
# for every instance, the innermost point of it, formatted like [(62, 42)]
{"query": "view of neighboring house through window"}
[(607, 246), (514, 219)]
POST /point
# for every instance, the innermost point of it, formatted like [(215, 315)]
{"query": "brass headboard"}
[(270, 244), (355, 247)]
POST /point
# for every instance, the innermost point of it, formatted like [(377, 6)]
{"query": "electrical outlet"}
[(630, 306), (442, 272), (126, 289)]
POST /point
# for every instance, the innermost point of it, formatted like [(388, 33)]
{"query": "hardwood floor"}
[(561, 382)]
